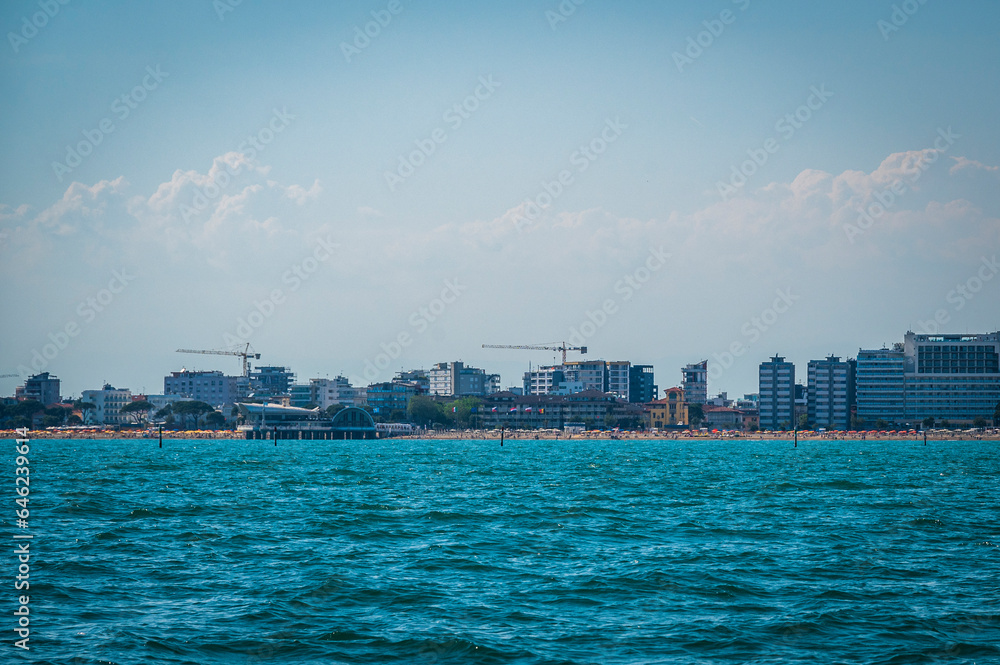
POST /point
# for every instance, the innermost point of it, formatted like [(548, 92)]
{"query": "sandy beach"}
[(513, 435)]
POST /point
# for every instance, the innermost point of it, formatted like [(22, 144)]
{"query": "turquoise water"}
[(537, 552)]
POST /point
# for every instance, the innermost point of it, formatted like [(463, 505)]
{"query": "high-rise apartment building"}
[(618, 377), (777, 394), (454, 379), (831, 392), (271, 381), (879, 381), (641, 385), (695, 382), (951, 377)]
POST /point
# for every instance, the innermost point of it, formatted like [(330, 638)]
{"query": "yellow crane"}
[(551, 346), (245, 354)]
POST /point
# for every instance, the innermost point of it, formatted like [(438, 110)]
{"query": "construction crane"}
[(245, 354), (540, 347), (7, 376)]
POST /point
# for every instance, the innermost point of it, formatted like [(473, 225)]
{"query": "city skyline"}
[(621, 170)]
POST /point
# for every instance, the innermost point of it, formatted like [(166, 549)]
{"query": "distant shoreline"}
[(524, 435)]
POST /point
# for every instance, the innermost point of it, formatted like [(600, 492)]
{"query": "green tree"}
[(462, 414), (423, 410), (696, 415), (804, 421), (928, 422), (86, 408), (191, 411), (334, 409), (215, 420), (996, 415), (881, 424), (979, 422), (137, 411), (51, 421), (55, 416), (28, 407)]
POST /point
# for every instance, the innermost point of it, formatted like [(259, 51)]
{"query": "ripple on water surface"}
[(539, 552)]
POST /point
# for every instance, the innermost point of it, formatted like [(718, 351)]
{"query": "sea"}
[(539, 551)]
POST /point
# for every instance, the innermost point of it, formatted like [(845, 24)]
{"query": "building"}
[(593, 374), (671, 411), (390, 396), (419, 378), (300, 395), (618, 374), (545, 380), (107, 403), (42, 387), (454, 379), (879, 382), (211, 387), (722, 399), (338, 390), (722, 417), (271, 421), (776, 402), (641, 386), (158, 402), (953, 378), (270, 381), (593, 408), (695, 382), (831, 397)]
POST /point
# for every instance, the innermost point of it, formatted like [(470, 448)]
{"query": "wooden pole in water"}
[(796, 434), (161, 436), (275, 436), (501, 436)]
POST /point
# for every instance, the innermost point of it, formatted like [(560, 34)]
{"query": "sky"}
[(359, 188)]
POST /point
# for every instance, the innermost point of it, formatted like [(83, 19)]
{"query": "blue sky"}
[(192, 277)]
